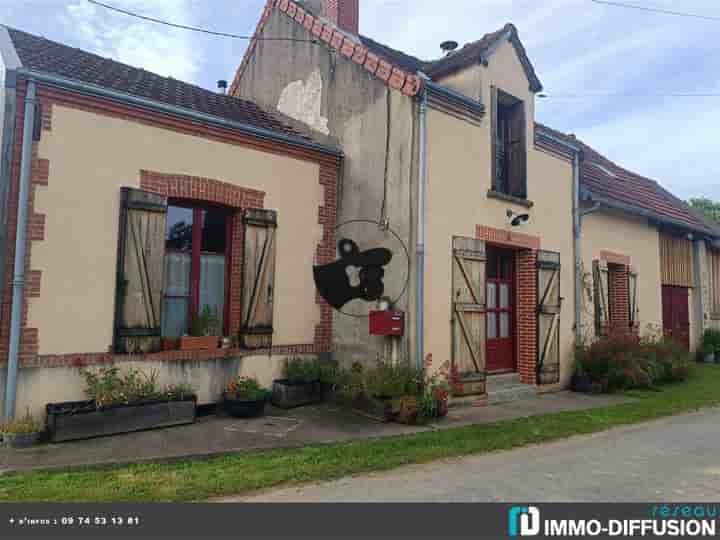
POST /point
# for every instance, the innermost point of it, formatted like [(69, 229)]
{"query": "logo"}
[(524, 521)]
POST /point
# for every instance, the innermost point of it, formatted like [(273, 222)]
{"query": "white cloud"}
[(157, 48)]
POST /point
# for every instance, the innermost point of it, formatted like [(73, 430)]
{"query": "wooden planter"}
[(287, 395), (199, 343), (375, 408), (80, 420), (240, 408)]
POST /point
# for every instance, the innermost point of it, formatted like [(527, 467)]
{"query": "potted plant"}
[(299, 385), (204, 331), (709, 345), (22, 432), (120, 403), (328, 378), (244, 398)]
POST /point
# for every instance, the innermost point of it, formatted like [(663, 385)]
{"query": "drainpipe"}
[(19, 264), (420, 284)]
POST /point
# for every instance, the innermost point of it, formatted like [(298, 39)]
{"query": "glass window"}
[(504, 324), (213, 231), (504, 296), (179, 228), (491, 295), (492, 325), (492, 264)]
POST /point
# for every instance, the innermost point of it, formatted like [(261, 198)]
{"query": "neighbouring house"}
[(150, 206), (530, 239)]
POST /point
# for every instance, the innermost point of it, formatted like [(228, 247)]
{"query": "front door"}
[(676, 314), (500, 314)]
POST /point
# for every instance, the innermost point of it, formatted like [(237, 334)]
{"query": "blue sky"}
[(578, 48)]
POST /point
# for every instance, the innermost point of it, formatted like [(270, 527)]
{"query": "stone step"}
[(498, 382), (510, 393)]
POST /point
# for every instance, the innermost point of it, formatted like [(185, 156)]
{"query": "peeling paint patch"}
[(302, 100)]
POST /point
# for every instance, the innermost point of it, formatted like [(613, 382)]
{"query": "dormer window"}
[(509, 145)]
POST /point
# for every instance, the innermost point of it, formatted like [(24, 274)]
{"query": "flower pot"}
[(199, 343), (709, 358), (288, 395), (581, 383), (240, 408), (70, 421), (20, 440)]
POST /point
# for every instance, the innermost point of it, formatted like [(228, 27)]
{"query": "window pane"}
[(492, 264), (179, 228), (506, 267), (214, 231), (491, 296), (492, 325), (504, 325), (212, 286), (504, 296), (177, 294)]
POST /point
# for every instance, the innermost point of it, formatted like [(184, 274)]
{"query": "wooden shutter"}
[(468, 317), (713, 257), (549, 304), (676, 261), (601, 296), (497, 150), (633, 298), (258, 286), (516, 151), (140, 267)]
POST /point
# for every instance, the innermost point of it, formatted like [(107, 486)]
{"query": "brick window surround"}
[(195, 188), (525, 247)]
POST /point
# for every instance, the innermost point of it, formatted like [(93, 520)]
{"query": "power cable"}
[(657, 10)]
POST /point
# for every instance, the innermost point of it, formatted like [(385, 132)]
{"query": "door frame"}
[(512, 296)]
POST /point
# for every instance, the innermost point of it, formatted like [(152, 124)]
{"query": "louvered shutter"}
[(140, 266), (549, 304), (258, 286), (516, 154), (468, 317), (602, 298), (633, 298)]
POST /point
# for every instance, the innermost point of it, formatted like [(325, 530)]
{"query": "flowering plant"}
[(245, 389)]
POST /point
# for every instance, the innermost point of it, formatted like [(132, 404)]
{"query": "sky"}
[(584, 53)]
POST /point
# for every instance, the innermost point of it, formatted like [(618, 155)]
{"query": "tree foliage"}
[(710, 208)]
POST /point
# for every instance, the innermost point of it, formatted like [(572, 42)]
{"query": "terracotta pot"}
[(199, 343)]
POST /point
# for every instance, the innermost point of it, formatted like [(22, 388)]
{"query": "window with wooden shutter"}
[(601, 297), (633, 300), (509, 145), (258, 287), (676, 261), (713, 261), (549, 304), (140, 266), (468, 317)]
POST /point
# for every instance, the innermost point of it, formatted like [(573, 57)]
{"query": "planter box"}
[(80, 420), (287, 396), (374, 408), (199, 343), (244, 409), (581, 383), (20, 440)]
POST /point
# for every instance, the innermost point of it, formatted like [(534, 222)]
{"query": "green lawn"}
[(230, 475)]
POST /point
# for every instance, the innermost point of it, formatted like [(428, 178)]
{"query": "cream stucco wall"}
[(458, 178), (91, 158), (640, 241)]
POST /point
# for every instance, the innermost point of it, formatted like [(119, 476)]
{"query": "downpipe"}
[(420, 280), (18, 291)]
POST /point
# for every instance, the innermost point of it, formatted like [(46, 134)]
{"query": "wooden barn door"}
[(548, 309), (676, 314), (258, 278), (140, 267), (468, 313)]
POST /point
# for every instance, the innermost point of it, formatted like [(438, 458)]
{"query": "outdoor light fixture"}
[(517, 219)]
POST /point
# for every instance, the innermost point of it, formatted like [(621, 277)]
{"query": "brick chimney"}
[(344, 13)]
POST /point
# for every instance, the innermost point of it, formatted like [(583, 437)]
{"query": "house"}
[(522, 239), (145, 202)]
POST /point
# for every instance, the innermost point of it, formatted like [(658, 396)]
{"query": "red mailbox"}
[(387, 323)]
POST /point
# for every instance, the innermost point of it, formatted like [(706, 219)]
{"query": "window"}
[(714, 275), (509, 145), (196, 251)]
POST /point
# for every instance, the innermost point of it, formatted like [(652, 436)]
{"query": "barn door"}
[(548, 309), (468, 317), (602, 297), (140, 266), (258, 287)]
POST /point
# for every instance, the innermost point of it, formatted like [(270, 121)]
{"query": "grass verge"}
[(236, 474)]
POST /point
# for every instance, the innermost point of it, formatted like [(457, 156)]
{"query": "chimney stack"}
[(344, 13)]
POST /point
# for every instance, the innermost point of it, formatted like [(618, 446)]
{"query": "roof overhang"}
[(9, 55), (157, 106)]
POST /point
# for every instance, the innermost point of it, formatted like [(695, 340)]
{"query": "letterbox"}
[(387, 323)]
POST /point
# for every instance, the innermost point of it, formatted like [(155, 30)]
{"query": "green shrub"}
[(245, 389), (108, 387), (710, 341), (22, 426), (300, 371)]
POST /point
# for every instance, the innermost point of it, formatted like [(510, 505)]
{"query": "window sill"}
[(492, 194), (715, 316)]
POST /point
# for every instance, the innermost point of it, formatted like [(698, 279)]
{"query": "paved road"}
[(676, 459)]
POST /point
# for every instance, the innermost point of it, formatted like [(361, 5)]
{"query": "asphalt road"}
[(674, 460)]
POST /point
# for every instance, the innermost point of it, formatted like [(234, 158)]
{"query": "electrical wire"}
[(622, 95), (193, 28), (656, 10)]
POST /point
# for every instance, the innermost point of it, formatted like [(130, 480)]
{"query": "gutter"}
[(577, 226), (18, 283), (438, 92), (158, 106), (420, 278)]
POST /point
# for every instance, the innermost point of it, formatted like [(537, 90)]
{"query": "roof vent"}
[(449, 46), (222, 86)]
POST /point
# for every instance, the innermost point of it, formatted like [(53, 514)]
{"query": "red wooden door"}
[(500, 314), (676, 314)]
